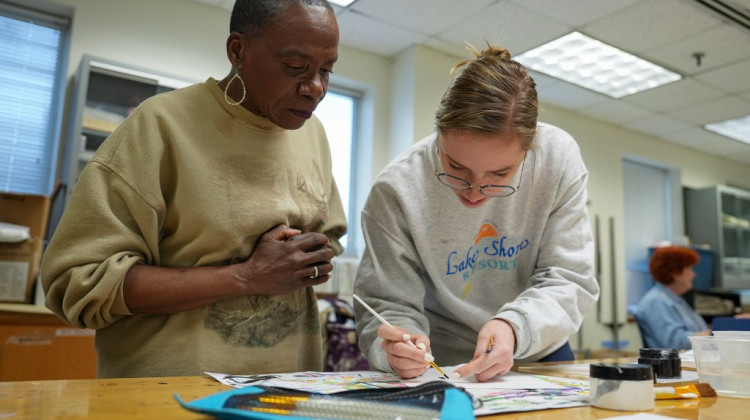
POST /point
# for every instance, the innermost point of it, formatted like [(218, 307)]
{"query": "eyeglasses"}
[(460, 184)]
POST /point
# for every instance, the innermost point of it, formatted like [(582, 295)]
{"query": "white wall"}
[(187, 39), (176, 37)]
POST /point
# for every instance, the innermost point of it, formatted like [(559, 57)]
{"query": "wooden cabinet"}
[(36, 345), (720, 216)]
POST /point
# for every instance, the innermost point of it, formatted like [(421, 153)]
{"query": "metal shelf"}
[(707, 213)]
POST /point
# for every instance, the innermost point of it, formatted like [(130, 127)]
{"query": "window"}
[(338, 114), (33, 57)]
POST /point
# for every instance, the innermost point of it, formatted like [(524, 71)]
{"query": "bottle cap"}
[(659, 353), (621, 372), (665, 362)]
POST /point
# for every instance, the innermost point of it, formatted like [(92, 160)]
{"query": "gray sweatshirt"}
[(433, 266)]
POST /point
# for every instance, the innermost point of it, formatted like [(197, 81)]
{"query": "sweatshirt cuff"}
[(523, 337), (376, 357)]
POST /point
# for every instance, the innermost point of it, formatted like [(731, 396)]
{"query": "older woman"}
[(478, 243), (211, 212), (664, 318)]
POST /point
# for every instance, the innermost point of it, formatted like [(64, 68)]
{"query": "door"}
[(647, 222)]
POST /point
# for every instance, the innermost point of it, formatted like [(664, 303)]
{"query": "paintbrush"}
[(685, 391), (383, 320)]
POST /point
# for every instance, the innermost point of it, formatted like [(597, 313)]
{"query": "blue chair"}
[(563, 354), (643, 336), (730, 323)]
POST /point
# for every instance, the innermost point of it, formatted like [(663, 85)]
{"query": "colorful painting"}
[(509, 393)]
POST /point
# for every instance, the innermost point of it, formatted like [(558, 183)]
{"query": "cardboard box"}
[(26, 210), (20, 262), (19, 267)]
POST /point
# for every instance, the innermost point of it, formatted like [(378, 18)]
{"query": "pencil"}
[(385, 322)]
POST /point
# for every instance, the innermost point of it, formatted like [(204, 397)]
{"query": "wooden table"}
[(153, 398)]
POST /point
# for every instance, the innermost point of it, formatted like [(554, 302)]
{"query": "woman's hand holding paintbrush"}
[(406, 354), (405, 357)]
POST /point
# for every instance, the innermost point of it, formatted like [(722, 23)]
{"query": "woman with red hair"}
[(664, 318)]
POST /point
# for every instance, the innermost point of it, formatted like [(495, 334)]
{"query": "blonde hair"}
[(490, 94)]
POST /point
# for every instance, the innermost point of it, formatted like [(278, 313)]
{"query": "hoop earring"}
[(228, 99)]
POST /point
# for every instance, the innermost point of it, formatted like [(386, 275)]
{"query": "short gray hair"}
[(253, 17)]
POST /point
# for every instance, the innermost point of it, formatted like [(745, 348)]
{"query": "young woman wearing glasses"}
[(478, 243)]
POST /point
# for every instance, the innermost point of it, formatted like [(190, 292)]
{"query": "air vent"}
[(729, 9)]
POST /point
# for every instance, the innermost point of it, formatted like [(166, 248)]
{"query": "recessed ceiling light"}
[(587, 62), (342, 3), (737, 128)]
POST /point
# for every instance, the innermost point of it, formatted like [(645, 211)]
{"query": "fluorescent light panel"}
[(342, 3), (737, 128), (587, 62)]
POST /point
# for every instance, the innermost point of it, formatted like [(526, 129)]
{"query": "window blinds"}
[(30, 77)]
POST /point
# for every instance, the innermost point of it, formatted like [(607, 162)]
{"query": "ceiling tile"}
[(725, 147), (730, 78), (544, 82), (563, 94), (380, 38), (682, 144), (713, 111), (651, 24), (694, 137), (506, 25), (615, 111), (719, 46), (458, 50), (657, 125), (575, 12), (730, 148), (222, 4), (426, 17), (714, 144), (674, 95), (742, 159), (227, 5), (569, 96), (215, 3)]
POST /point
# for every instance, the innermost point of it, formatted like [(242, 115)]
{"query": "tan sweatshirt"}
[(188, 181)]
